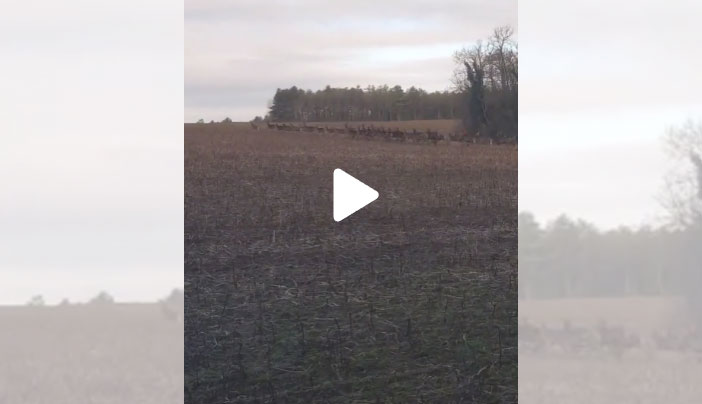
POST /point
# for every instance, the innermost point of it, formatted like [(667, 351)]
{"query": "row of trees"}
[(381, 103), (484, 95), (570, 258), (176, 296)]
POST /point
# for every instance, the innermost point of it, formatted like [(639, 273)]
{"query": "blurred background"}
[(91, 208), (610, 197)]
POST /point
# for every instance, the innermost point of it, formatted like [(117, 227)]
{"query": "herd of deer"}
[(573, 339), (373, 132)]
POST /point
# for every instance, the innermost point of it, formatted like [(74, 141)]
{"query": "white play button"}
[(350, 195)]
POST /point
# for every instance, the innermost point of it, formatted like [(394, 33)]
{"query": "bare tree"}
[(684, 204), (504, 50), (486, 75), (683, 198)]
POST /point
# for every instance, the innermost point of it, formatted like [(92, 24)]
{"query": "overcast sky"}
[(600, 83), (238, 52), (91, 149), (91, 113)]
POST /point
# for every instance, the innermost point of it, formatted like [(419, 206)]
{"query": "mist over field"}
[(91, 205), (101, 351), (609, 195)]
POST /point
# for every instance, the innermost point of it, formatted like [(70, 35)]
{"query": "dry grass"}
[(413, 299)]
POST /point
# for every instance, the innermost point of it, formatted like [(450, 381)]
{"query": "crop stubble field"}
[(412, 299)]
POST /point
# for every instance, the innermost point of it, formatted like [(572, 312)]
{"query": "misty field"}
[(647, 353), (545, 379), (112, 353), (412, 299)]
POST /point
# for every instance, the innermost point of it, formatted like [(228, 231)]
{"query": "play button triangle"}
[(350, 195)]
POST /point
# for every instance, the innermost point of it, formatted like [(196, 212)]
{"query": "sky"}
[(91, 114), (91, 150), (237, 53), (600, 83)]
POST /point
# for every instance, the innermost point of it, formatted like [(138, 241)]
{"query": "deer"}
[(434, 136), (386, 133), (414, 136), (398, 134)]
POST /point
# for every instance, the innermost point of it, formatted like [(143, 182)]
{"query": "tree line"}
[(374, 103), (572, 258), (176, 296), (483, 97)]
